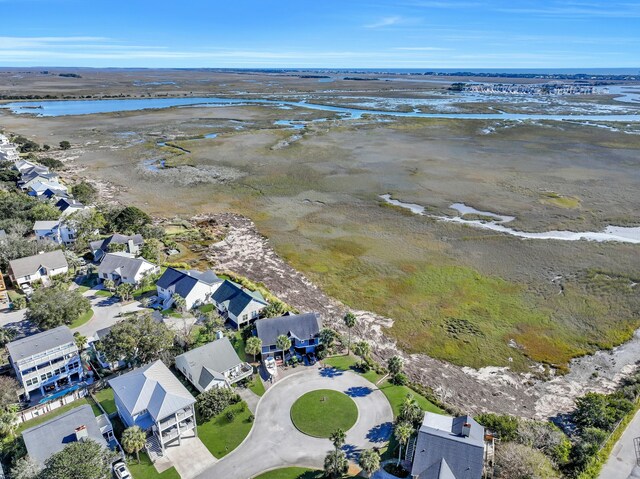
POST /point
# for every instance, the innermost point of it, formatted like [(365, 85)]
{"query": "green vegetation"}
[(256, 385), (146, 470), (397, 394), (347, 362), (554, 199), (222, 435), (291, 473), (319, 413), (104, 293), (106, 400), (84, 318), (57, 305)]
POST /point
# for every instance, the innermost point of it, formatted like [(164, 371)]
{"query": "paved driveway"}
[(190, 458), (275, 442), (622, 460), (106, 312)]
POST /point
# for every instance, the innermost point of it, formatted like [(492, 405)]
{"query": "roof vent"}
[(82, 434)]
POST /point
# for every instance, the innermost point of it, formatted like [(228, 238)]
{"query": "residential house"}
[(46, 362), (57, 231), (131, 244), (38, 267), (152, 398), (452, 448), (99, 355), (54, 193), (237, 304), (125, 268), (3, 235), (194, 286), (25, 165), (302, 329), (214, 365), (78, 424), (8, 151), (46, 189), (67, 205), (35, 175)]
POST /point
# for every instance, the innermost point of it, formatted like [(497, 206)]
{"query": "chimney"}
[(466, 429), (81, 433)]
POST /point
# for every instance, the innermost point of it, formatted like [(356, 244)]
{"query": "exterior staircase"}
[(153, 448)]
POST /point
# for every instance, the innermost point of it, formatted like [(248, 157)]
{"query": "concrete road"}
[(106, 312), (275, 442), (622, 460)]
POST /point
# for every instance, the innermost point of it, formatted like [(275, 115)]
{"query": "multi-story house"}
[(194, 286), (56, 231), (39, 267), (302, 329), (46, 362), (125, 268), (152, 398), (236, 304), (214, 365)]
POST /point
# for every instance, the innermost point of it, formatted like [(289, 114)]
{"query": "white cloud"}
[(385, 22)]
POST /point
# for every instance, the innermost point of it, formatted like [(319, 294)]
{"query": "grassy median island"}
[(321, 412), (291, 473)]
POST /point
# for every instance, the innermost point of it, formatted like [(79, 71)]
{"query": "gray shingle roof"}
[(443, 452), (116, 238), (123, 264), (46, 225), (208, 361), (185, 280), (46, 439), (39, 343), (234, 297), (31, 264), (302, 326), (152, 387)]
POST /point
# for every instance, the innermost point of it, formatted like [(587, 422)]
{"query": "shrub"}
[(230, 415), (211, 403), (505, 426), (399, 379)]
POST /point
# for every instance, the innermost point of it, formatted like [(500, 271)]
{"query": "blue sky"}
[(321, 33)]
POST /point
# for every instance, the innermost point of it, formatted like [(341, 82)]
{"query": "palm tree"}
[(402, 433), (350, 322), (210, 326), (125, 291), (369, 461), (80, 340), (336, 464), (275, 309), (338, 438), (179, 301), (362, 349), (6, 336), (253, 346), (133, 440), (394, 365), (410, 411), (109, 285), (283, 343)]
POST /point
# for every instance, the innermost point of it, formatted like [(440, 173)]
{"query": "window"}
[(245, 317)]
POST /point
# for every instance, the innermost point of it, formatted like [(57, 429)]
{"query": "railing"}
[(42, 409)]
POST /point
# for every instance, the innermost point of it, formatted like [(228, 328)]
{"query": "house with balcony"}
[(46, 362), (302, 329), (56, 231), (194, 286), (451, 447), (78, 424), (152, 398), (238, 305), (124, 267), (38, 267), (214, 365), (128, 244)]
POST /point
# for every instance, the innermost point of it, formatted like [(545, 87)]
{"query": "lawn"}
[(105, 398), (238, 345), (346, 363), (207, 308), (320, 413), (256, 385), (291, 473), (104, 292), (145, 469), (221, 436), (83, 319), (57, 412), (82, 289)]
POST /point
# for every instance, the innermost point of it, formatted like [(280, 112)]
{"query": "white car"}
[(121, 471), (27, 289)]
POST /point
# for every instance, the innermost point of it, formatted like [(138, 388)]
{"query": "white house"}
[(37, 267), (25, 165), (194, 286), (214, 365), (56, 231), (125, 268), (237, 304)]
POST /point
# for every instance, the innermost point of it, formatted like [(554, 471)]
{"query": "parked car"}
[(121, 471), (27, 290)]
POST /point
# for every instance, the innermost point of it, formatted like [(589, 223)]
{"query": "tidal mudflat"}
[(455, 291)]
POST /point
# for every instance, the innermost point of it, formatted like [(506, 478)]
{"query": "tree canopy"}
[(128, 220), (80, 460), (139, 340), (601, 410), (84, 192), (55, 306)]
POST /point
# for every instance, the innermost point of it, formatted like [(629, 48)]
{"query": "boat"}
[(271, 366)]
